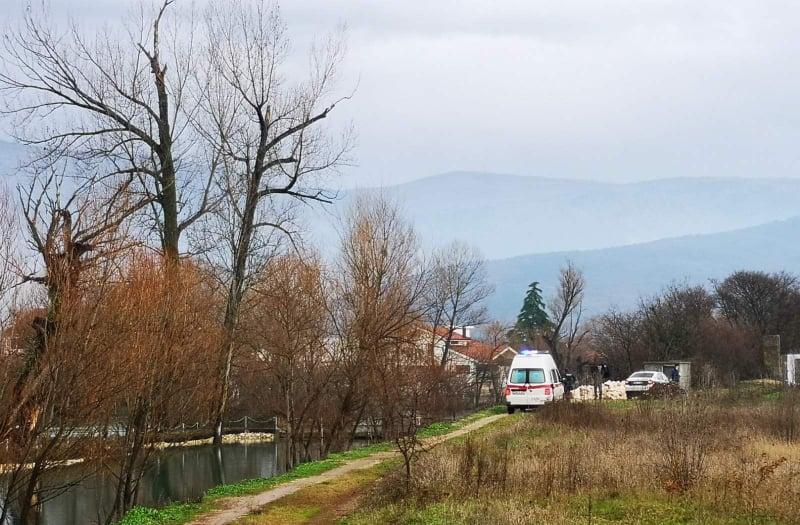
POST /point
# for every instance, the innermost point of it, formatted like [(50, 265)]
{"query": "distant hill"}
[(508, 215), (619, 276), (708, 227)]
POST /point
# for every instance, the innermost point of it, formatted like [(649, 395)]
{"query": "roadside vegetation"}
[(713, 457)]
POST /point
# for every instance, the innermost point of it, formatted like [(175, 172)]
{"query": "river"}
[(178, 474)]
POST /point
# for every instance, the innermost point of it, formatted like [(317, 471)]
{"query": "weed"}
[(658, 461)]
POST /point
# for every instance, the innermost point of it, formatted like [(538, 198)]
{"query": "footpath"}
[(232, 509)]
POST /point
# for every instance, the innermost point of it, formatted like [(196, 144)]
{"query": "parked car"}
[(640, 382), (533, 380)]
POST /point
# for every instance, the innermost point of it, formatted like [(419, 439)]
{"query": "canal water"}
[(178, 474)]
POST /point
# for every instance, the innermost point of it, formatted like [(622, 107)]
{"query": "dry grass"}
[(701, 459)]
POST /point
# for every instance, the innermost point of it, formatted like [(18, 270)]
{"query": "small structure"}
[(684, 370), (793, 369)]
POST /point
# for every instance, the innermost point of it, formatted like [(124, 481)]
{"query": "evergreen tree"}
[(532, 318)]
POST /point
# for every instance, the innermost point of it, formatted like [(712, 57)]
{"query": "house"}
[(468, 355)]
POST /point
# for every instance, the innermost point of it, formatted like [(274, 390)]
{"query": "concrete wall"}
[(684, 369), (792, 368)]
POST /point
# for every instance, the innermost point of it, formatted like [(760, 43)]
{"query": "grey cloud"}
[(613, 90)]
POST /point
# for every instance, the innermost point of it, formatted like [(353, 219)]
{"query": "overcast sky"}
[(615, 90)]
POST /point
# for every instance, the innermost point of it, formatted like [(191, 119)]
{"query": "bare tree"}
[(764, 302), (456, 293), (146, 310), (673, 320), (9, 252), (566, 309), (267, 132), (75, 233), (286, 327), (120, 99), (377, 310), (619, 336), (412, 401), (11, 361)]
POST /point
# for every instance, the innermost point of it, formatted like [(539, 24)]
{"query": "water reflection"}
[(182, 474)]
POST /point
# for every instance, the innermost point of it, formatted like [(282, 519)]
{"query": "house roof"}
[(455, 334), (470, 348), (482, 352)]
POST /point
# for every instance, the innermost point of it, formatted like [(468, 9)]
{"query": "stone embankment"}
[(245, 438)]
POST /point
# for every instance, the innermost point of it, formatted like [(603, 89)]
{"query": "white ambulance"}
[(533, 380)]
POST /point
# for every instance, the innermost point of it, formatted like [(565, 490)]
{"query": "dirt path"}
[(236, 508)]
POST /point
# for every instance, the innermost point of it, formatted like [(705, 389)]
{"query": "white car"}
[(532, 381), (640, 382)]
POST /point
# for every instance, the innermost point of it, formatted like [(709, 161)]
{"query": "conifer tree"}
[(532, 318)]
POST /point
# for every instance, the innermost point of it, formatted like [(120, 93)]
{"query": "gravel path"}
[(235, 508)]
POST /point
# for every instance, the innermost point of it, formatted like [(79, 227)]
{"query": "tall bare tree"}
[(566, 309), (120, 99), (768, 303), (673, 321), (457, 290), (267, 131)]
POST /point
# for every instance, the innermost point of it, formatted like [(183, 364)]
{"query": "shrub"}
[(664, 391)]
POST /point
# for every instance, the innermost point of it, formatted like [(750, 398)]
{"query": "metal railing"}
[(251, 424)]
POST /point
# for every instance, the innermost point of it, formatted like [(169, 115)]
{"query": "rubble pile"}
[(611, 390)]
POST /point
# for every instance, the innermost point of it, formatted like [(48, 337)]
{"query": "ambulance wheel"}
[(510, 409)]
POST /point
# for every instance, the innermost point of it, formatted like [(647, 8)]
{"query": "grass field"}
[(722, 457)]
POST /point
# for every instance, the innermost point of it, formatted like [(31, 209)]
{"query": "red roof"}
[(480, 352)]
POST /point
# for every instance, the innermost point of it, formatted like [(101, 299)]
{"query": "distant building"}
[(468, 355)]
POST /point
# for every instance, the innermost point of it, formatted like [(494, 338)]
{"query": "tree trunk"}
[(224, 385), (169, 191), (169, 206), (235, 293)]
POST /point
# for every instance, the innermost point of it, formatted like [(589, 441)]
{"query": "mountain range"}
[(619, 277), (630, 239), (511, 215)]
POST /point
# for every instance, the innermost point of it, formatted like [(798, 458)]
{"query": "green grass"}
[(180, 513), (643, 509), (174, 514), (650, 509)]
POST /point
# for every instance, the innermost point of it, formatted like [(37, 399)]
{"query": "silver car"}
[(640, 382)]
